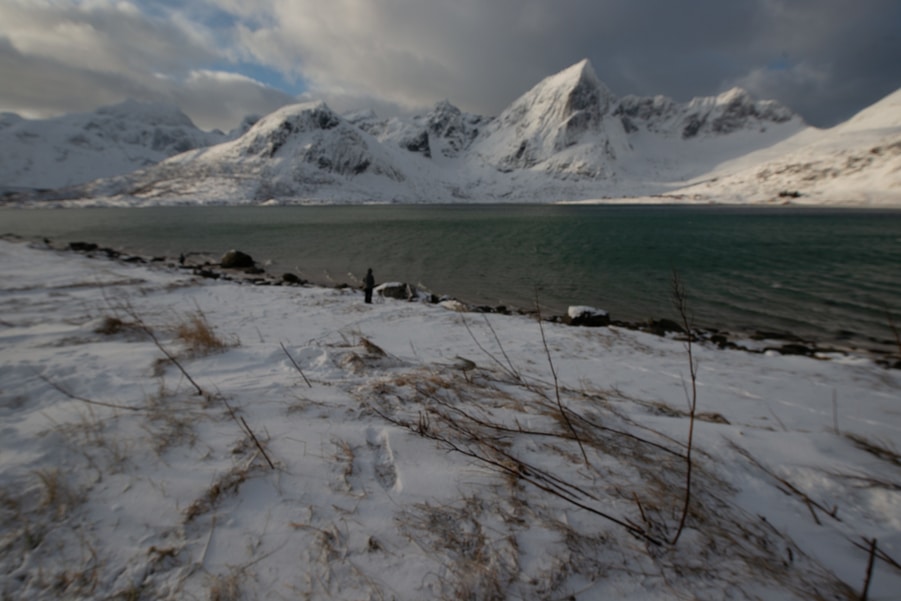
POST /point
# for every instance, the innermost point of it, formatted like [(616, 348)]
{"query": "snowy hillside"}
[(301, 150), (569, 138), (78, 148), (167, 436), (858, 161)]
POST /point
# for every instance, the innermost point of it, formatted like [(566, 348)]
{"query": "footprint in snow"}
[(383, 462)]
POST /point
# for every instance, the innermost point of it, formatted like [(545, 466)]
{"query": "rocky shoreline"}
[(239, 267)]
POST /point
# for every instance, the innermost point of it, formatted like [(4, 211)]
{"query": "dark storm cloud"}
[(824, 58)]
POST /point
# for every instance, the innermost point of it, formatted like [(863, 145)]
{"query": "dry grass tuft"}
[(226, 587), (371, 347), (170, 420), (344, 462), (229, 482), (480, 565), (636, 470), (196, 333), (57, 495)]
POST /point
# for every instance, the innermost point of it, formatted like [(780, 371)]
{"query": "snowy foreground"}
[(336, 450)]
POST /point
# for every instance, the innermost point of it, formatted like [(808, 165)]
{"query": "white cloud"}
[(103, 36), (217, 99), (766, 82), (797, 86), (67, 56), (410, 52), (479, 55)]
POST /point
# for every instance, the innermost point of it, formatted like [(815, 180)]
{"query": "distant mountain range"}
[(569, 138)]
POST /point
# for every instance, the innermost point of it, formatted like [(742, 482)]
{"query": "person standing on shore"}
[(368, 285)]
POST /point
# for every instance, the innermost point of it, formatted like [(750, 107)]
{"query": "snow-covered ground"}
[(330, 449)]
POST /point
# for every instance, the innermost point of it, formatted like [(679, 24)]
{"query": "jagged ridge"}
[(569, 137), (76, 148)]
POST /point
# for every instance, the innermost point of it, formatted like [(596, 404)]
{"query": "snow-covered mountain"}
[(559, 126), (77, 148), (301, 150), (568, 138), (729, 112), (857, 161), (445, 131)]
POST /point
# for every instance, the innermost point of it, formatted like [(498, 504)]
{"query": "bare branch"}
[(523, 471), (296, 366), (75, 397), (680, 303), (257, 442), (150, 333), (242, 423), (547, 352), (869, 576), (787, 487)]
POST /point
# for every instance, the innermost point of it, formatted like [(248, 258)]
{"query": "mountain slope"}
[(78, 148), (856, 162), (569, 138), (559, 126), (299, 151)]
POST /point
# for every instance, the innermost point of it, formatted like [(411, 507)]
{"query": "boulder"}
[(291, 278), (662, 327), (82, 246), (235, 259), (793, 348), (586, 316), (454, 305), (396, 290)]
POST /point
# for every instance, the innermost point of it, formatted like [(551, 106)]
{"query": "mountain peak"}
[(882, 114), (732, 110), (276, 129), (555, 114), (734, 95), (582, 70)]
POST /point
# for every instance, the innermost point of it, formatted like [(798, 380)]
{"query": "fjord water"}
[(832, 275)]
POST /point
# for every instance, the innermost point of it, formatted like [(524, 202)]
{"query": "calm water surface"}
[(829, 274)]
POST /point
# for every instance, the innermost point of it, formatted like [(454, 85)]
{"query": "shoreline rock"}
[(784, 343)]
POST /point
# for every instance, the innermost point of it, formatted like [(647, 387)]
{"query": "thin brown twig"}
[(552, 480), (257, 442), (880, 554), (488, 353), (75, 397), (172, 358), (296, 365), (547, 352), (869, 576), (789, 488), (242, 423), (680, 302), (513, 371), (625, 434), (521, 430), (517, 471), (640, 508)]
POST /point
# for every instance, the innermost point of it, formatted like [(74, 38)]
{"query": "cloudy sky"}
[(222, 59)]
